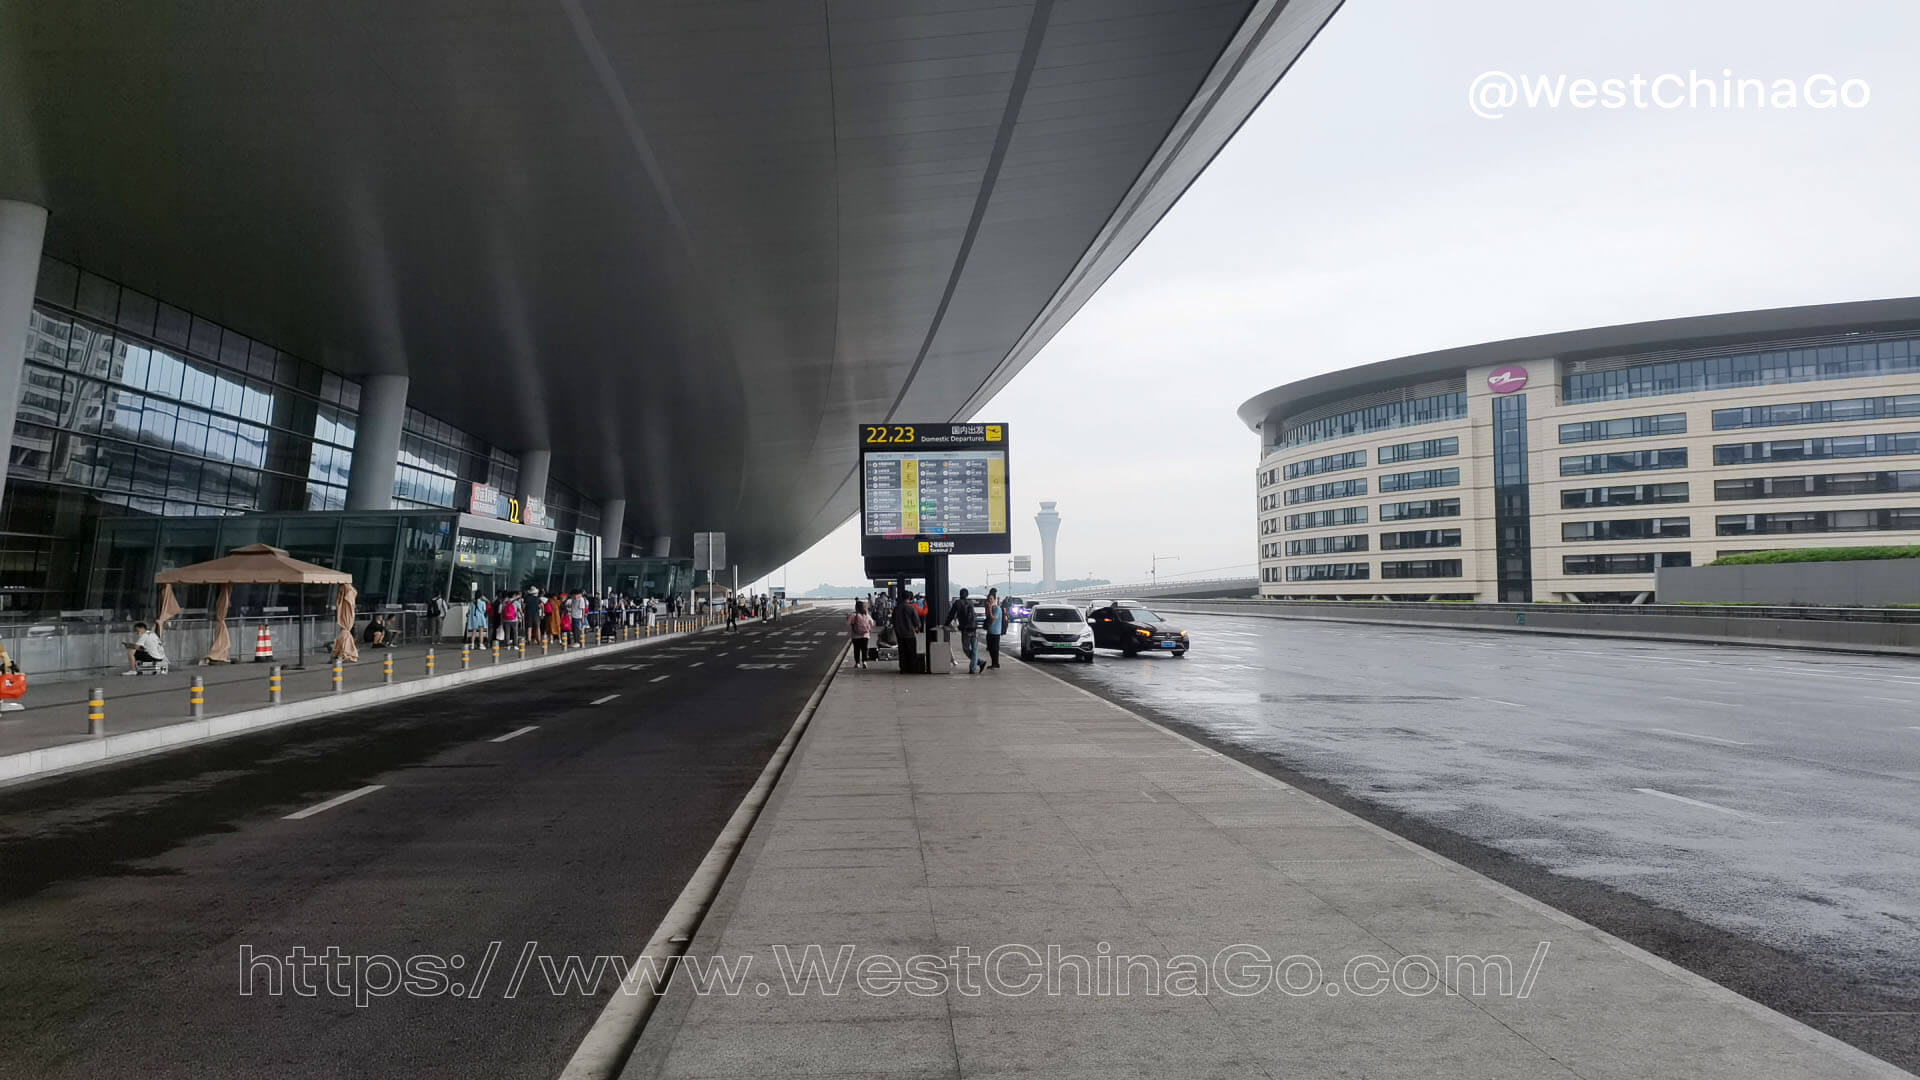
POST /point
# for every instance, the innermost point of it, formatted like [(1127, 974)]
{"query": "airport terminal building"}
[(1569, 466)]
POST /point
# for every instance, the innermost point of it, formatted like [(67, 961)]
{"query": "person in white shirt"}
[(146, 649)]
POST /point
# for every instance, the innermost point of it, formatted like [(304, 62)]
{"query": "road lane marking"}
[(529, 727), (1895, 700), (657, 678), (696, 663), (1497, 701), (333, 802), (1691, 735), (1656, 792), (1701, 701), (603, 700)]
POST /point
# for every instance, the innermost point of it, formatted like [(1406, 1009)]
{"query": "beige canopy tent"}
[(255, 564)]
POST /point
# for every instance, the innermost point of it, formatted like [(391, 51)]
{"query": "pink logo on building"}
[(1507, 379)]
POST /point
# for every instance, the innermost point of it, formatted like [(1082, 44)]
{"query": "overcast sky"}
[(1365, 212)]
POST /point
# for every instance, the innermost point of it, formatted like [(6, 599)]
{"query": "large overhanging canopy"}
[(688, 246)]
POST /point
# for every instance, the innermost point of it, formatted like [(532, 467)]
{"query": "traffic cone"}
[(263, 645)]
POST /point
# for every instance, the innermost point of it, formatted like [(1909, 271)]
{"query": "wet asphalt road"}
[(1753, 814), (127, 893)]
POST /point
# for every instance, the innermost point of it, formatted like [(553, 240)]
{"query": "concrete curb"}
[(91, 753), (1558, 631), (603, 1054)]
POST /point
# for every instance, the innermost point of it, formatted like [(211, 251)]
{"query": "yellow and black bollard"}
[(466, 656), (339, 676), (197, 697), (386, 668), (429, 661), (273, 684), (97, 712)]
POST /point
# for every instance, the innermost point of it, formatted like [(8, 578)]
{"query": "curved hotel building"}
[(1569, 466)]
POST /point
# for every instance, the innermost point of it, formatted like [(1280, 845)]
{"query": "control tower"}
[(1049, 523)]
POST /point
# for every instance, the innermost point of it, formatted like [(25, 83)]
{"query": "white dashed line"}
[(1691, 735), (1657, 793), (524, 730), (696, 663), (603, 700), (1497, 701), (1701, 701), (333, 802), (657, 678)]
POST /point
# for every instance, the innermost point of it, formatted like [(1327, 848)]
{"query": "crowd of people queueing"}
[(901, 618), (564, 618)]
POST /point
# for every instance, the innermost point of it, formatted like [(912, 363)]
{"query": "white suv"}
[(1056, 629)]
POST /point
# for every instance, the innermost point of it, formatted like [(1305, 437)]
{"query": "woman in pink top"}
[(860, 626)]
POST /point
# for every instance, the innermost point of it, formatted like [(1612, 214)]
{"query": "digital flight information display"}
[(934, 489)]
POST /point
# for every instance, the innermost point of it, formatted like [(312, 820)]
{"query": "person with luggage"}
[(860, 629), (961, 615), (906, 630)]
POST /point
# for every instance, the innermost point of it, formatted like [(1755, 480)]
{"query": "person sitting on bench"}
[(145, 648), (377, 634)]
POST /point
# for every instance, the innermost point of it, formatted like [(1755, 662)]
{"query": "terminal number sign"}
[(934, 489)]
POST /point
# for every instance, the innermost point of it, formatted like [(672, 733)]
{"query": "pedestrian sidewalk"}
[(150, 712), (924, 814)]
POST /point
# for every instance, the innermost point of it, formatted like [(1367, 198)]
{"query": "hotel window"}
[(1817, 485), (1419, 451), (1320, 519), (1338, 489), (1357, 571), (1637, 563), (1420, 538), (1842, 360), (1902, 519), (1626, 529), (1425, 478), (1425, 410), (1327, 545), (1836, 446), (1626, 427), (1625, 495), (1817, 412), (1421, 568), (1625, 461), (1422, 508), (1354, 460)]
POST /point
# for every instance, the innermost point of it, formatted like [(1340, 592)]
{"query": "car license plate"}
[(1062, 645), (1169, 644)]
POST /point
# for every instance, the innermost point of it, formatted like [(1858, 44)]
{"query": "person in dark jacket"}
[(906, 630), (961, 614)]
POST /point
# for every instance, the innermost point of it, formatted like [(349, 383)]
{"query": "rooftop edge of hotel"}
[(1690, 331)]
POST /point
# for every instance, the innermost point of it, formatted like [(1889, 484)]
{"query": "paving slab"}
[(1154, 909)]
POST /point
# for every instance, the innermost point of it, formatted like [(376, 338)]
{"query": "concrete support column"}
[(662, 547), (376, 442), (613, 527), (534, 465), (23, 226)]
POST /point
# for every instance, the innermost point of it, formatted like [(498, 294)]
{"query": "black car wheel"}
[(1086, 657), (1179, 654)]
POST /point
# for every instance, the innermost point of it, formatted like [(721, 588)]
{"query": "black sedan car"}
[(1133, 628)]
